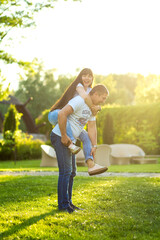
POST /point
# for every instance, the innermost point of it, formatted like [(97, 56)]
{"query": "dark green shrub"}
[(11, 121), (7, 146), (108, 132), (10, 126), (6, 149), (26, 147), (29, 149)]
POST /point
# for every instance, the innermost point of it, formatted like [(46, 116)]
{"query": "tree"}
[(110, 83), (4, 91), (148, 89), (63, 82), (12, 120), (41, 86), (10, 126), (121, 87), (18, 14)]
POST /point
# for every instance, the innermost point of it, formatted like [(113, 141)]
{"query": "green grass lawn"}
[(117, 208), (34, 165)]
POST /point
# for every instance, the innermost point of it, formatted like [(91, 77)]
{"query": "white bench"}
[(102, 156), (48, 156), (122, 154), (144, 160)]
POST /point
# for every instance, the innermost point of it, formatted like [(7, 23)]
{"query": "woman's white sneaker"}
[(97, 169), (73, 148)]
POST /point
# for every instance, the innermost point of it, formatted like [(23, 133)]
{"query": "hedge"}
[(25, 149), (138, 124)]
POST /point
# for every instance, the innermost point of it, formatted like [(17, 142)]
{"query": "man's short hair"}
[(100, 89)]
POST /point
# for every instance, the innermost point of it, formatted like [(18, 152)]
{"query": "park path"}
[(85, 174)]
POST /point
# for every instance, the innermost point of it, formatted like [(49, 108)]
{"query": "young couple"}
[(77, 107)]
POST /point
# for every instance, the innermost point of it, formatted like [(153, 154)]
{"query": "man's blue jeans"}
[(67, 171), (83, 137)]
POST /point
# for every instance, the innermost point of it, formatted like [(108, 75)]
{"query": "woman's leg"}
[(93, 168), (53, 119), (87, 146)]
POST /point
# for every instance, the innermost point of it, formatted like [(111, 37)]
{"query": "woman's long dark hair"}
[(70, 91)]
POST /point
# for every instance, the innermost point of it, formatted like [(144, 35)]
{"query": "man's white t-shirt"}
[(78, 119)]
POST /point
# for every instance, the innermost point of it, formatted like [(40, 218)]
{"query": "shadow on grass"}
[(27, 188), (26, 223)]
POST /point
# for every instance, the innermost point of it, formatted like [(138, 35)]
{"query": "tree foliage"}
[(4, 91), (64, 81), (121, 87), (148, 89), (41, 86), (18, 14)]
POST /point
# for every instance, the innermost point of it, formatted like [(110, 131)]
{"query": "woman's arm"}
[(88, 100)]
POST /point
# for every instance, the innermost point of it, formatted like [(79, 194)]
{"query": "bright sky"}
[(109, 36)]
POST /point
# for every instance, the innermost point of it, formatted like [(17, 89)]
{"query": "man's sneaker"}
[(75, 207), (97, 169), (73, 148), (68, 209)]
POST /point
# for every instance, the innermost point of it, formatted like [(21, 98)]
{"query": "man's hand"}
[(93, 152), (66, 140), (92, 133), (62, 121)]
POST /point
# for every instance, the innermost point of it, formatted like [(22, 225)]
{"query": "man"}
[(78, 114)]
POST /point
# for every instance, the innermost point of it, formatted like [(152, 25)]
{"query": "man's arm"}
[(92, 132), (62, 121)]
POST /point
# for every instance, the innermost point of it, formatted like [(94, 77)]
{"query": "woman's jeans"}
[(53, 119), (83, 137), (67, 171)]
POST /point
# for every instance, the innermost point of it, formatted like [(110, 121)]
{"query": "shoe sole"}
[(98, 171), (77, 151)]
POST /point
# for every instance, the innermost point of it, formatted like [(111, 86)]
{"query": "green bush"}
[(139, 125), (12, 120), (29, 149), (108, 132), (17, 145), (10, 126), (25, 147)]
